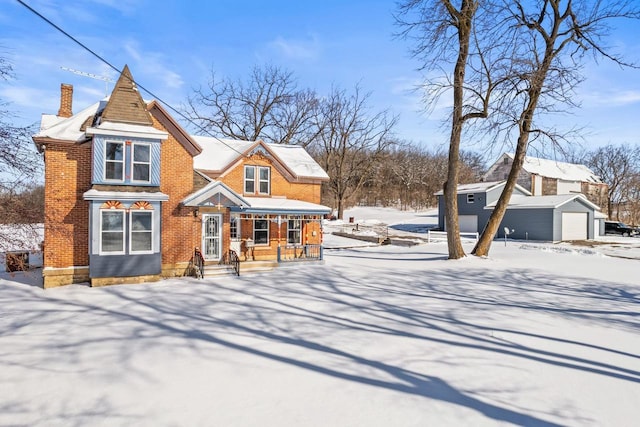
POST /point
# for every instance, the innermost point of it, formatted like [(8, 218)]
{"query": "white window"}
[(249, 179), (141, 162), (234, 220), (114, 161), (470, 198), (261, 174), (112, 232), (264, 173), (141, 232), (294, 231), (261, 231)]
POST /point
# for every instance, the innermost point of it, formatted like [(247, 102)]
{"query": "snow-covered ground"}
[(536, 334)]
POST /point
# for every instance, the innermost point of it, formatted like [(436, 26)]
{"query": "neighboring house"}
[(129, 194), (551, 218), (544, 177)]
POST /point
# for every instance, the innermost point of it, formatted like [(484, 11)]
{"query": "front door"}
[(211, 236)]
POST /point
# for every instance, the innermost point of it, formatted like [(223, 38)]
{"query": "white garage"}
[(574, 225)]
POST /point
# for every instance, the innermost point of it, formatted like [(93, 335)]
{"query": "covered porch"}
[(255, 229)]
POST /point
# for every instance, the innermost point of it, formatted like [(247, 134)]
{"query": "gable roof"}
[(483, 187), (125, 103), (553, 169), (545, 202), (220, 154)]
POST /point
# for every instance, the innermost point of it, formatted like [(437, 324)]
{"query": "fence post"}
[(279, 258)]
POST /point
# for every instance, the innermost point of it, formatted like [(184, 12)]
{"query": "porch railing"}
[(292, 253), (234, 261), (197, 263)]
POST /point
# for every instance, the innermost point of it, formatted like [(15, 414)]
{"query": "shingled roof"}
[(125, 103)]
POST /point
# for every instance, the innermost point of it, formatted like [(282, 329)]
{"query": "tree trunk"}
[(454, 242)]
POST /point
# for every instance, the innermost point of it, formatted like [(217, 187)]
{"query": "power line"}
[(100, 58)]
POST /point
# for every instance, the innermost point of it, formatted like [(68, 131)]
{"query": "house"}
[(130, 195), (544, 177), (551, 218)]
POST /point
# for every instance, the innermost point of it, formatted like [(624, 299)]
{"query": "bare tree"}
[(618, 166), (552, 37), (444, 36), (351, 141), (268, 105), (20, 168)]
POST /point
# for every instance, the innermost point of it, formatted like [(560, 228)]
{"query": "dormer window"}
[(141, 162), (257, 178), (114, 161)]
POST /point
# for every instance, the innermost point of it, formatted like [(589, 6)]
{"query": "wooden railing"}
[(299, 253)]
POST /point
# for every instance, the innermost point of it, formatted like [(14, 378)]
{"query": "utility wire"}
[(100, 58)]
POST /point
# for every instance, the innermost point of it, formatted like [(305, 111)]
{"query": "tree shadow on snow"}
[(304, 307)]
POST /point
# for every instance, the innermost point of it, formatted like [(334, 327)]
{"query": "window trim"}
[(266, 220), (123, 161), (260, 180), (134, 162), (131, 231), (299, 229), (123, 232), (234, 227), (257, 181)]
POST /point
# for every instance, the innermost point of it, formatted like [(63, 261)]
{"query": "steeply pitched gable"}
[(125, 103)]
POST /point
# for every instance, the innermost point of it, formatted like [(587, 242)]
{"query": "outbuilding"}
[(551, 218)]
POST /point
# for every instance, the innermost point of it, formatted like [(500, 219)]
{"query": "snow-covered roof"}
[(68, 129), (558, 170), (544, 202), (218, 153), (156, 196), (282, 205), (481, 187), (127, 129), (299, 161)]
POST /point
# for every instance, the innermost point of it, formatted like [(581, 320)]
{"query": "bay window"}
[(141, 164), (141, 232), (114, 161), (112, 231)]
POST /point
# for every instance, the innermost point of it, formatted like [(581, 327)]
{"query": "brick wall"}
[(549, 186), (180, 229), (280, 186), (67, 177)]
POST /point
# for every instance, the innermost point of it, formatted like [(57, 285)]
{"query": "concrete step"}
[(213, 270)]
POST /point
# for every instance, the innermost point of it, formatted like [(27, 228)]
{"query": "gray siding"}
[(531, 224), (124, 265)]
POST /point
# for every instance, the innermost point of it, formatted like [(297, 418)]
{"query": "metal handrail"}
[(198, 263), (234, 261)]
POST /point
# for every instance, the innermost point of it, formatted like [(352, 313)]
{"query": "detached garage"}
[(574, 225), (550, 218), (556, 218)]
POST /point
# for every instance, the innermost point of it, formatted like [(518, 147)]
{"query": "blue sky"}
[(171, 46)]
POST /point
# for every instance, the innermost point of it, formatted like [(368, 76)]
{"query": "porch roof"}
[(280, 205), (213, 193)]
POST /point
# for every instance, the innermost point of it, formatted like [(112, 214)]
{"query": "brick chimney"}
[(66, 100)]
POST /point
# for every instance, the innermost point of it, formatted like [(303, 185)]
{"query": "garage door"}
[(468, 223), (574, 225)]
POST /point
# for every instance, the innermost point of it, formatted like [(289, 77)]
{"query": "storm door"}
[(211, 236)]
